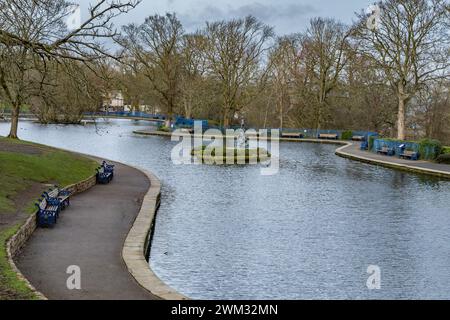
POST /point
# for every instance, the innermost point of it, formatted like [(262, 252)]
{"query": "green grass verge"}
[(11, 287), (18, 172)]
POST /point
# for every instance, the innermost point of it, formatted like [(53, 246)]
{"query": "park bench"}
[(364, 145), (47, 214), (386, 151), (108, 168), (292, 135), (328, 136), (187, 130), (358, 138), (105, 173), (103, 177), (58, 196), (407, 154)]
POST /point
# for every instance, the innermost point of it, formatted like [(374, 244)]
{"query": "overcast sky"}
[(286, 16)]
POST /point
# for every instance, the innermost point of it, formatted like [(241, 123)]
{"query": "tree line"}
[(387, 72)]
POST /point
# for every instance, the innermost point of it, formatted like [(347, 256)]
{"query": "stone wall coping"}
[(138, 240)]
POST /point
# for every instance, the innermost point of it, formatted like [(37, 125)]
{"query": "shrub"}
[(443, 158), (371, 141), (445, 150), (429, 149), (164, 129), (347, 135)]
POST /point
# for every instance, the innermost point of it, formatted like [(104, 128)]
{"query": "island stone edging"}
[(18, 240), (138, 240)]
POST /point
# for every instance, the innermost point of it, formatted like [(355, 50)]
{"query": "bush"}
[(371, 141), (445, 150), (164, 129), (347, 135), (429, 149), (443, 158)]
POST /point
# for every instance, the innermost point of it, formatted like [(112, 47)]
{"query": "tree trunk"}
[(280, 101), (226, 115), (168, 121), (401, 131), (401, 119), (226, 120), (14, 122), (319, 117)]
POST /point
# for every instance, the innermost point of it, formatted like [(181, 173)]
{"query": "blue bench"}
[(411, 155), (297, 135), (333, 136), (58, 196), (47, 214), (364, 145), (386, 151), (109, 168), (50, 205), (105, 173)]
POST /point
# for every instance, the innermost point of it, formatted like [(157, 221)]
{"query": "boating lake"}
[(308, 232)]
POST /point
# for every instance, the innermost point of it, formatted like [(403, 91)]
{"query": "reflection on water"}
[(309, 232)]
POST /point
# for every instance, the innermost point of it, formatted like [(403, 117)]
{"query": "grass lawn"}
[(25, 171)]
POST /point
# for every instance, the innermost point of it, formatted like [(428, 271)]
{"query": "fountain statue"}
[(241, 140), (240, 153)]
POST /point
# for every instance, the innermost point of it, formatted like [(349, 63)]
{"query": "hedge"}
[(445, 150), (428, 149), (347, 135), (444, 158)]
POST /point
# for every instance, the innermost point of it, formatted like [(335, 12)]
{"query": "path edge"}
[(139, 239), (15, 243), (388, 164)]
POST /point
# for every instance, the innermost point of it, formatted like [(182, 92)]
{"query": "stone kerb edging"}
[(388, 164), (138, 240), (17, 241)]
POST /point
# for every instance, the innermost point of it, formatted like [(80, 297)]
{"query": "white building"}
[(114, 101)]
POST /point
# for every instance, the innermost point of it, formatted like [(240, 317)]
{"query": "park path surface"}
[(90, 234), (354, 150)]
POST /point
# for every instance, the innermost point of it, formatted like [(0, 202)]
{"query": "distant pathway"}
[(89, 234), (353, 151)]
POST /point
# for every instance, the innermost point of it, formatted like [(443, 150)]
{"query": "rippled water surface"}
[(310, 231)]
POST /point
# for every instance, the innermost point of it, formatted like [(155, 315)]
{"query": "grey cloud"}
[(267, 13)]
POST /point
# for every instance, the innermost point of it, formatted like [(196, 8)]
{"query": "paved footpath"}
[(90, 234), (354, 150)]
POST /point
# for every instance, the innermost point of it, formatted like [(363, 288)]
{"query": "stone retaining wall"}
[(137, 242), (16, 242)]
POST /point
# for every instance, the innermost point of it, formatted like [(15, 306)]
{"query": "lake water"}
[(309, 232)]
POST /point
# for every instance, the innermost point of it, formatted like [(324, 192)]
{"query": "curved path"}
[(90, 234), (352, 151)]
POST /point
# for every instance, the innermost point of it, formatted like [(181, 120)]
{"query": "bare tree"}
[(410, 43), (33, 32), (284, 64), (40, 27), (324, 48), (155, 47), (193, 72), (234, 53)]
